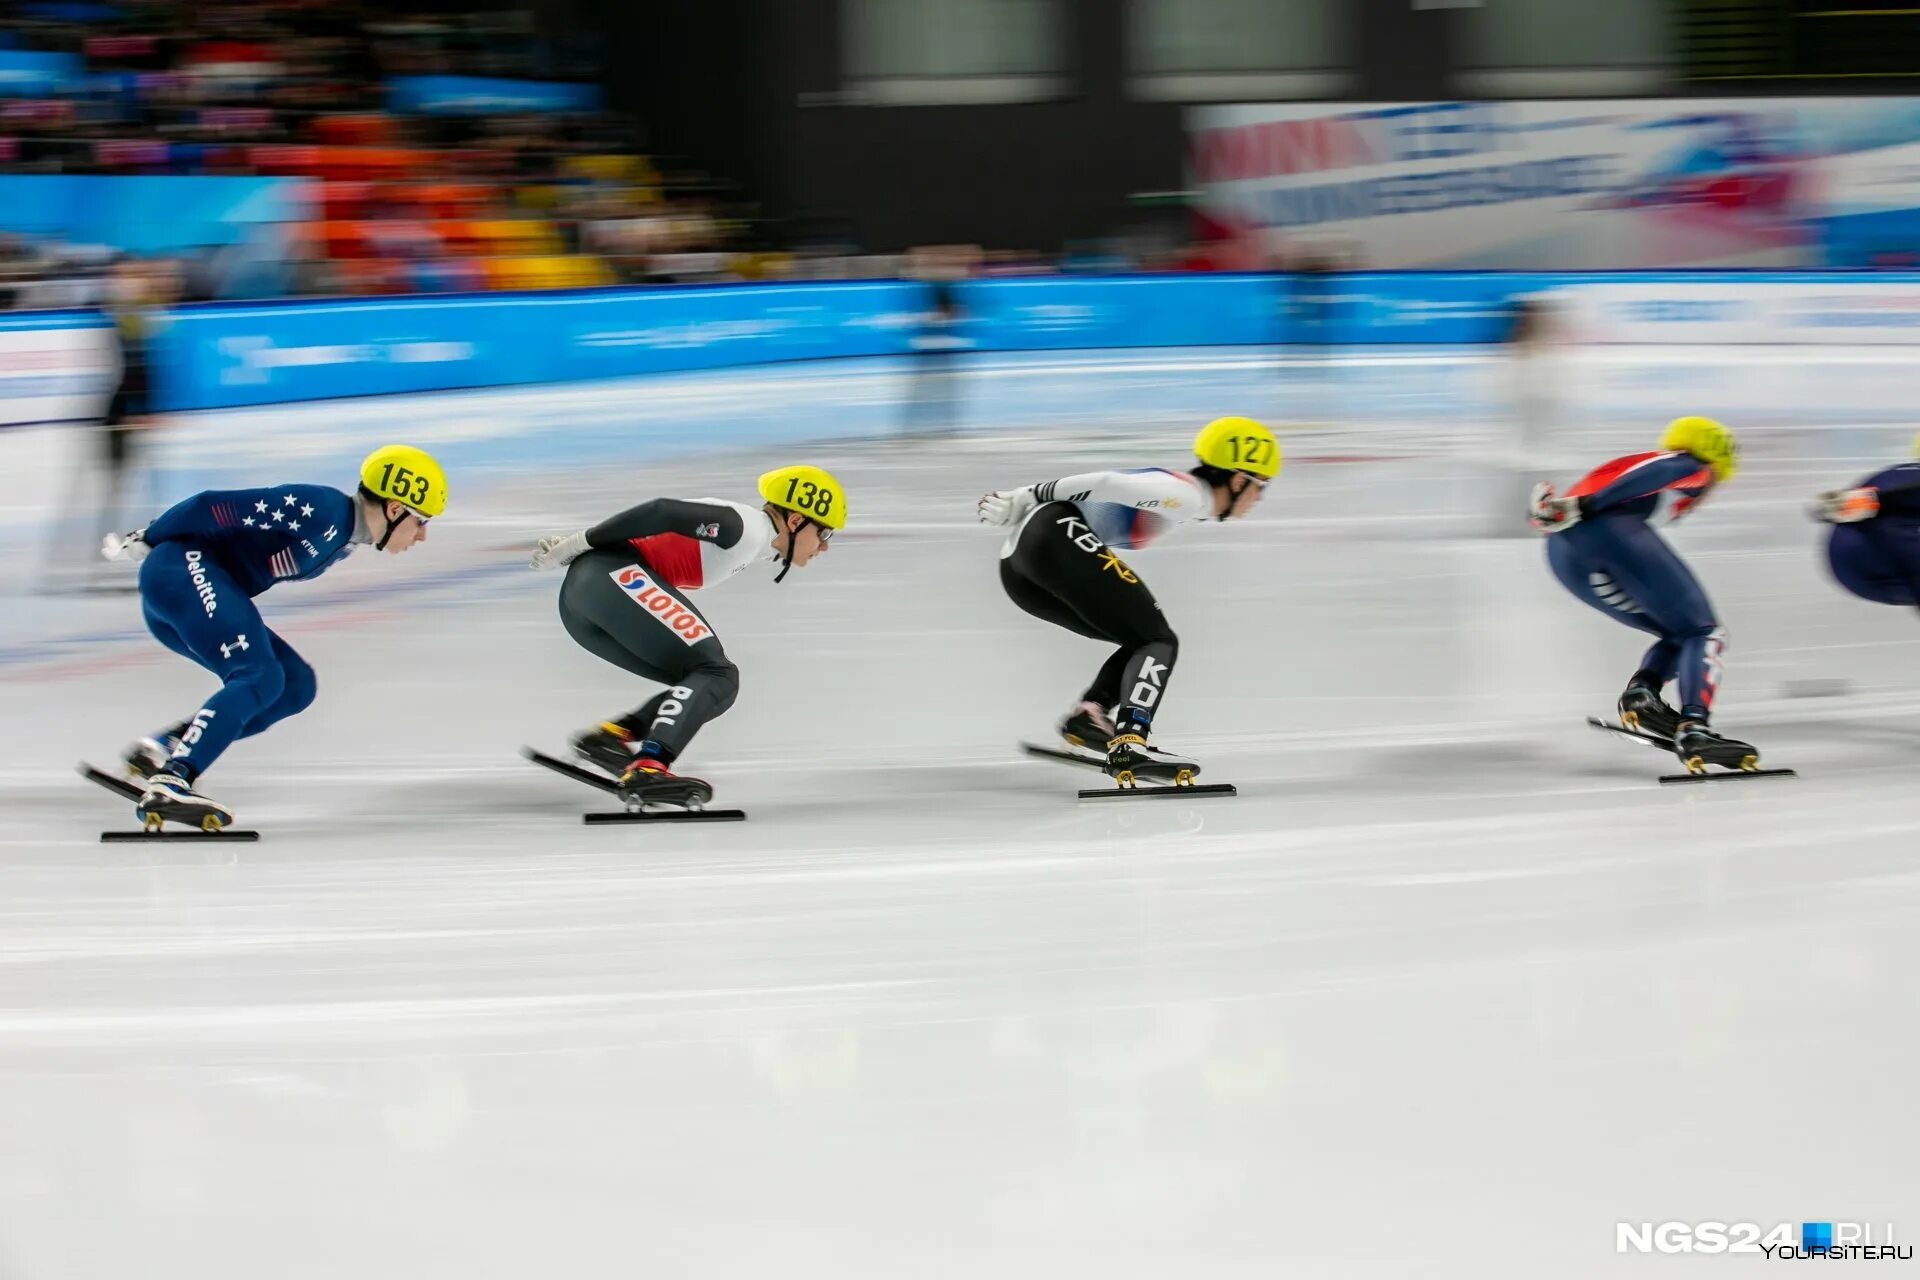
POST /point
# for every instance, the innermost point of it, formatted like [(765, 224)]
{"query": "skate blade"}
[(1636, 735), (666, 815), (1165, 791), (118, 785), (177, 833), (1727, 775)]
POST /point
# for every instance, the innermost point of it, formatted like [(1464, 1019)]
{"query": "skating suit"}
[(212, 554), (1061, 565), (1879, 559), (1614, 560), (626, 601)]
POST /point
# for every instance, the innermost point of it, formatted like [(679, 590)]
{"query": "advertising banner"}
[(148, 214), (1568, 185), (55, 368), (25, 73), (1801, 313), (221, 356), (481, 96), (1060, 313)]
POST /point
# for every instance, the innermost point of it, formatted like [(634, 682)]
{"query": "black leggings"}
[(1059, 572), (615, 608)]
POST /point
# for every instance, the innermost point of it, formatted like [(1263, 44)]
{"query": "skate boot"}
[(1698, 746), (606, 746), (1130, 761), (171, 798), (150, 755), (648, 782), (1087, 725), (1642, 709)]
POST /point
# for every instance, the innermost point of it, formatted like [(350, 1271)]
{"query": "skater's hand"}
[(1844, 506), (125, 546), (1549, 514), (1004, 507), (559, 549)]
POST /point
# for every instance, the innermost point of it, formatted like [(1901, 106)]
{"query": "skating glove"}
[(125, 546), (1549, 514), (1005, 507), (559, 549), (1844, 506)]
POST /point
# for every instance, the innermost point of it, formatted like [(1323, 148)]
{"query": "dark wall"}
[(1029, 175), (682, 68), (752, 90)]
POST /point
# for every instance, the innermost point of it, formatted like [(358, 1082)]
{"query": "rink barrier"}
[(226, 355)]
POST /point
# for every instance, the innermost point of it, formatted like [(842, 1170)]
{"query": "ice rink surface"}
[(1449, 958)]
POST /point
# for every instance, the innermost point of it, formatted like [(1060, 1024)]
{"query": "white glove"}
[(1005, 507), (1845, 506), (1549, 514), (559, 549), (125, 546)]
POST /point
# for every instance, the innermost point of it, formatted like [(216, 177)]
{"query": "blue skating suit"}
[(1879, 559), (1615, 561), (211, 555)]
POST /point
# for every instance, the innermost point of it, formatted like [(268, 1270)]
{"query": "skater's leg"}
[(296, 695), (1057, 552), (676, 647), (1660, 663), (222, 631), (667, 723), (1583, 559), (1105, 689), (1654, 576), (1037, 599), (1877, 560)]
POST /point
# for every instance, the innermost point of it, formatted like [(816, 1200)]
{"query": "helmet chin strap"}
[(1233, 494), (786, 561), (392, 524)]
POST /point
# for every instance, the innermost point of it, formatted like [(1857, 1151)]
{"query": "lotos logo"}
[(673, 615)]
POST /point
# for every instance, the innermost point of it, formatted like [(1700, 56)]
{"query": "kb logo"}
[(1146, 690)]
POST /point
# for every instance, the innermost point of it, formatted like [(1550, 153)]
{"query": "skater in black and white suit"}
[(1061, 564)]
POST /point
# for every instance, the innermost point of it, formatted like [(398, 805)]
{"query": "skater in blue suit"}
[(1606, 551), (201, 564), (1874, 549)]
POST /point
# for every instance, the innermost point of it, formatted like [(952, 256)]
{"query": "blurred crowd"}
[(395, 198)]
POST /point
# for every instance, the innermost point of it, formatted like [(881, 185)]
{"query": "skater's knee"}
[(722, 679), (265, 680), (1158, 635), (299, 688)]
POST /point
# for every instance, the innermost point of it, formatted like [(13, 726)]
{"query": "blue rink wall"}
[(224, 356)]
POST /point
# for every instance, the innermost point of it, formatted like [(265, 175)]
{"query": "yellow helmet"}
[(401, 473), (1238, 444), (808, 490), (1706, 440)]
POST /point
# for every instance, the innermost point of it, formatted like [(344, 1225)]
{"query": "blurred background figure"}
[(107, 480), (939, 342), (1534, 376)]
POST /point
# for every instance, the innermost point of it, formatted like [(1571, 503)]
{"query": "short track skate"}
[(1166, 779), (694, 811), (154, 828), (1699, 770)]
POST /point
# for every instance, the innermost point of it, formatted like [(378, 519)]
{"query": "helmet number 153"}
[(401, 482)]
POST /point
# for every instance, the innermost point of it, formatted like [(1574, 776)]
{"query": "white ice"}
[(1450, 989)]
